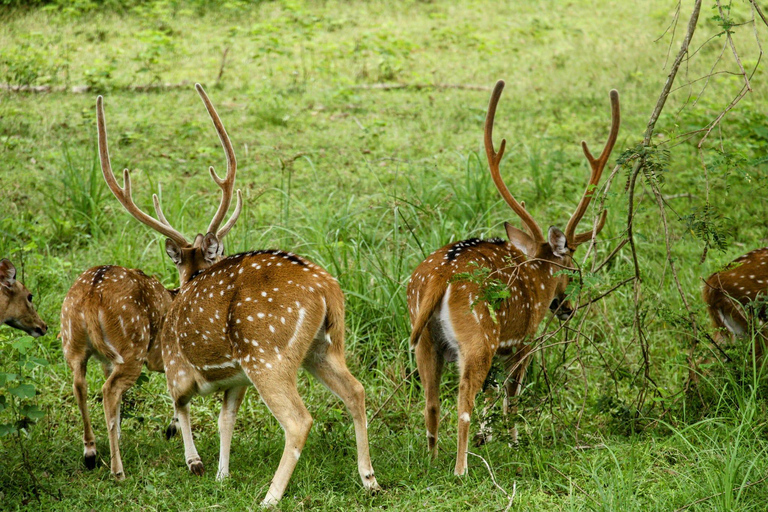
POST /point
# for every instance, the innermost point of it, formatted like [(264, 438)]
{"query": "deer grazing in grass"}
[(115, 313), (16, 308), (736, 299), (450, 315), (252, 319)]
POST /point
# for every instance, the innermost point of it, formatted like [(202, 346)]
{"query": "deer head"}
[(16, 308)]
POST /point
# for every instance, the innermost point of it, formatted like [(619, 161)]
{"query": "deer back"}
[(256, 311), (115, 313)]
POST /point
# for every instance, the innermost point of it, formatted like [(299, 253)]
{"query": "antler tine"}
[(494, 159), (235, 214), (227, 184), (123, 194), (597, 166)]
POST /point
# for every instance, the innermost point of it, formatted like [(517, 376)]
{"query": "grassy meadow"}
[(366, 182)]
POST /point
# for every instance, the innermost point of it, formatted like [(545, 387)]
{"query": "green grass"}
[(367, 183)]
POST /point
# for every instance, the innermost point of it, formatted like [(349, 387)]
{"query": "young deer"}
[(253, 318), (736, 297), (450, 317), (16, 308), (114, 314)]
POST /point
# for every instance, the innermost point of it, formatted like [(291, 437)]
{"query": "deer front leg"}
[(233, 397), (516, 367)]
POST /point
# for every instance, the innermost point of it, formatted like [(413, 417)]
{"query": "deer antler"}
[(597, 170), (123, 194), (227, 184), (494, 159)]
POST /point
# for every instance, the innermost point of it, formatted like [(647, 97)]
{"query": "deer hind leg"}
[(430, 362), (282, 398), (123, 376), (473, 368), (233, 397), (330, 368), (181, 419), (80, 387)]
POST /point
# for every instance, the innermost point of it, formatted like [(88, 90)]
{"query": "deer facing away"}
[(736, 299), (16, 308), (450, 319), (249, 319), (115, 313)]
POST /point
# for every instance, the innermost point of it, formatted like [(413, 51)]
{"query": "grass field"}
[(367, 182)]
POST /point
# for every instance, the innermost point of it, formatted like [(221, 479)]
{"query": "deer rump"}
[(242, 318)]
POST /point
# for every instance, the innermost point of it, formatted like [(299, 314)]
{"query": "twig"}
[(221, 66), (392, 87), (405, 379), (510, 497), (585, 493)]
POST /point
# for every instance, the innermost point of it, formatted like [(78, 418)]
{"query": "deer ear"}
[(7, 273), (173, 250), (212, 248), (520, 239), (558, 242)]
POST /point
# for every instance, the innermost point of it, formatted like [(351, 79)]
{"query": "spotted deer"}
[(16, 308), (251, 319), (736, 299), (113, 314), (449, 313)]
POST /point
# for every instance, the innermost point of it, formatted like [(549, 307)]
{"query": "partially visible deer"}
[(253, 318), (16, 308), (115, 313), (736, 299), (450, 316)]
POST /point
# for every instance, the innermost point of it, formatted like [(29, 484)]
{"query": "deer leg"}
[(332, 371), (181, 418), (430, 364), (517, 367), (80, 387), (122, 378), (233, 397), (474, 368), (282, 398)]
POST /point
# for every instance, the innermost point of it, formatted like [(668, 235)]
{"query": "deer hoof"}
[(196, 468), (90, 461), (170, 431)]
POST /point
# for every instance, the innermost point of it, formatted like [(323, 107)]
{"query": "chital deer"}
[(114, 314), (16, 308), (450, 319), (736, 298), (253, 318)]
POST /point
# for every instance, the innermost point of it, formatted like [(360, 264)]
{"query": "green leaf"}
[(23, 391), (7, 429), (32, 412), (7, 377), (23, 344)]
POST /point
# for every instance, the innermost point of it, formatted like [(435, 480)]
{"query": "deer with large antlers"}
[(16, 308), (452, 320), (115, 313), (736, 299), (249, 319)]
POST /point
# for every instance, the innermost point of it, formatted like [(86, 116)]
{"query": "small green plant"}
[(18, 410), (492, 291)]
